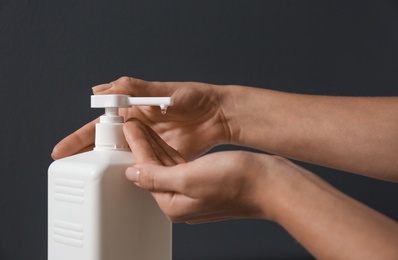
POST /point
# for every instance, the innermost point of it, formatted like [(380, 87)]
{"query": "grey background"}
[(52, 52)]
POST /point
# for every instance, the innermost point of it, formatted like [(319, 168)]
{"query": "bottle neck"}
[(109, 133)]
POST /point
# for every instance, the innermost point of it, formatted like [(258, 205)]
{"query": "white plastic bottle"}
[(94, 212)]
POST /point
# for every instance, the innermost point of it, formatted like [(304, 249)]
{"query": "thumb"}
[(156, 177)]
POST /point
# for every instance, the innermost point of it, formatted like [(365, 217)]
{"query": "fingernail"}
[(101, 87), (132, 174)]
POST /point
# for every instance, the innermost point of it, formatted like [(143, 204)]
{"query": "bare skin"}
[(230, 185), (192, 126), (322, 130), (355, 134)]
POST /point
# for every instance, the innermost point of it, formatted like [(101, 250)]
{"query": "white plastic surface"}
[(109, 136), (109, 131), (95, 213), (124, 101)]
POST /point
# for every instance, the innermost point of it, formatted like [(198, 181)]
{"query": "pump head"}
[(123, 101), (109, 131)]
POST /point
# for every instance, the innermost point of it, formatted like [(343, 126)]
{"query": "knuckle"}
[(147, 179), (150, 180), (123, 85), (135, 122), (124, 80)]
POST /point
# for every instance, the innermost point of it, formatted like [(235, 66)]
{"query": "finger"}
[(174, 155), (139, 144), (76, 142), (87, 148), (128, 86), (156, 178), (101, 88), (141, 137), (164, 155)]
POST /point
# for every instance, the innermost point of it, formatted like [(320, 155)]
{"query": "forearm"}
[(356, 134), (330, 224)]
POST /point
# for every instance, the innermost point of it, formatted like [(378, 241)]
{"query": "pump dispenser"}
[(109, 132), (94, 212)]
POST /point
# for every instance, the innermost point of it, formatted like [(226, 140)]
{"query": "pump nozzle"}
[(109, 131)]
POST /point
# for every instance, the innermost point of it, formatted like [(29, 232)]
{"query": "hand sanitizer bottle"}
[(94, 212)]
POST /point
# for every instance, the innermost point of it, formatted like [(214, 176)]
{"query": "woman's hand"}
[(239, 184), (214, 187), (195, 123), (337, 132)]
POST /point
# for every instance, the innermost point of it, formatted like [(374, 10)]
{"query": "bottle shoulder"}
[(99, 158)]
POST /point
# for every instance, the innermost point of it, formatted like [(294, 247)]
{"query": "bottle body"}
[(95, 213)]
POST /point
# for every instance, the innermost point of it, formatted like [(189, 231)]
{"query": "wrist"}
[(228, 97), (283, 182), (252, 115)]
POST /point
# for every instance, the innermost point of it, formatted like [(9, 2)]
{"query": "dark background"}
[(52, 52)]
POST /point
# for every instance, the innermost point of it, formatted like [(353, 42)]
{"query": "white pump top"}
[(109, 131)]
